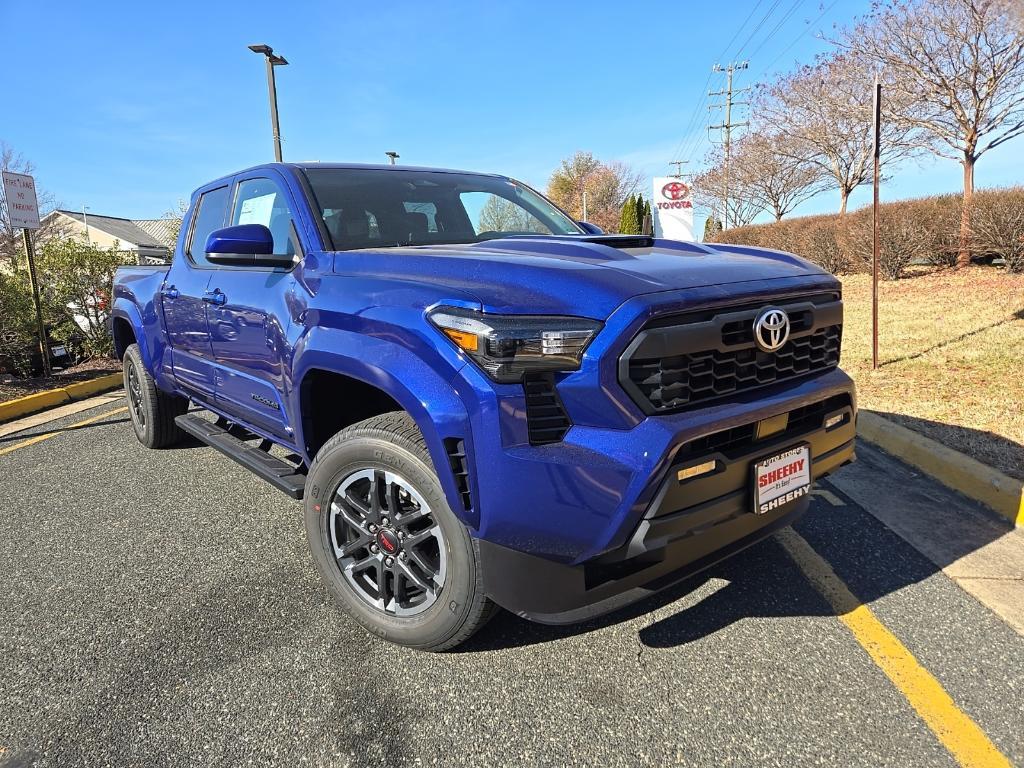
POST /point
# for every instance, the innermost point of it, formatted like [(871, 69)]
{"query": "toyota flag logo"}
[(771, 329), (675, 190)]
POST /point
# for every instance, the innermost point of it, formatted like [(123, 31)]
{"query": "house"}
[(152, 239)]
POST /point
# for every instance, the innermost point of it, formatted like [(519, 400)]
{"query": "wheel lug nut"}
[(373, 528), (384, 521), (374, 548), (389, 561), (402, 556)]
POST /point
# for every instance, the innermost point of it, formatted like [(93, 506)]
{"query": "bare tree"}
[(708, 190), (10, 239), (607, 186), (772, 177), (501, 215), (174, 217), (823, 115), (961, 62)]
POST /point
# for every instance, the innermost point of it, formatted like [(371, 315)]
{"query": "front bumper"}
[(682, 527)]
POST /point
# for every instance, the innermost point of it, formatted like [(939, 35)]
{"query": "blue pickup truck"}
[(482, 402)]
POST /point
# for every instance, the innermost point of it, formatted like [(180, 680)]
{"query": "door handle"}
[(170, 292), (216, 296)]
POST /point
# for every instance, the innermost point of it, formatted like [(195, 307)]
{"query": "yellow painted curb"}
[(955, 470), (22, 406), (93, 386)]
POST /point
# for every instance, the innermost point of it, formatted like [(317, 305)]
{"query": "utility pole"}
[(727, 125), (679, 167)]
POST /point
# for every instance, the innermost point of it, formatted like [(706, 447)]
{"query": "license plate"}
[(782, 478)]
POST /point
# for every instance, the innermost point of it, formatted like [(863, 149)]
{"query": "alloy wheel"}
[(387, 543)]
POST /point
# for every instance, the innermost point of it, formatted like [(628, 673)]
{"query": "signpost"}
[(23, 211), (875, 223)]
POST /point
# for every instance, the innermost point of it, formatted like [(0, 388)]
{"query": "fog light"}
[(835, 421), (701, 469)]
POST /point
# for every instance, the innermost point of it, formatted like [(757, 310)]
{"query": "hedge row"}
[(925, 229)]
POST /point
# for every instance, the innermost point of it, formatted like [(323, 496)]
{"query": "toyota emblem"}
[(675, 190), (771, 329)]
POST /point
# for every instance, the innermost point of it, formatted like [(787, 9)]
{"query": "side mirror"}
[(590, 229), (244, 245)]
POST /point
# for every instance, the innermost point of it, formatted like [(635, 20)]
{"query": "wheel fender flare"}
[(423, 392), (124, 309)]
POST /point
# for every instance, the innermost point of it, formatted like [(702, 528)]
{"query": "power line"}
[(758, 27), (795, 40), (691, 146), (776, 28), (699, 110)]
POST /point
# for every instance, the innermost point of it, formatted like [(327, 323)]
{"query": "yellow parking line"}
[(48, 435), (966, 742)]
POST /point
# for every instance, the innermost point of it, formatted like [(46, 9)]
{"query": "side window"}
[(210, 211), (261, 201)]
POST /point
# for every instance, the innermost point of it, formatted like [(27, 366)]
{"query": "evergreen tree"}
[(645, 215), (629, 224), (712, 227)]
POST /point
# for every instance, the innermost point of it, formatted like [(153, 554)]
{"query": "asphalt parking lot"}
[(160, 608)]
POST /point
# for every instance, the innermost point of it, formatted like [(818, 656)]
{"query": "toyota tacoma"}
[(481, 401)]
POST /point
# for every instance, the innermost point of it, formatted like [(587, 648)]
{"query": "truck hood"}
[(572, 275)]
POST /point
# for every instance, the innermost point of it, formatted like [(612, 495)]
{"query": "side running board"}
[(254, 457)]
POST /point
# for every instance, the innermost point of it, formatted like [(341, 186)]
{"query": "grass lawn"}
[(951, 358)]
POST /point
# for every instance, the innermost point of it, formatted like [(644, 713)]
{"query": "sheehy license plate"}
[(782, 478)]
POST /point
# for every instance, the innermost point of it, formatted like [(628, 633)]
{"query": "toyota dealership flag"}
[(672, 208)]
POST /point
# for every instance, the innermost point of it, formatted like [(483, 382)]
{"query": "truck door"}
[(184, 298), (248, 328)]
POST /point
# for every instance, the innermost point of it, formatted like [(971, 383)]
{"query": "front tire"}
[(152, 410), (386, 543)]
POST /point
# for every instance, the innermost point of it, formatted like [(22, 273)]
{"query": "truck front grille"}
[(701, 357)]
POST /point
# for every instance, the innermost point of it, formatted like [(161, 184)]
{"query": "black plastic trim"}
[(546, 418)]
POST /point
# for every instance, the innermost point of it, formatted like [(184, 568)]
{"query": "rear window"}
[(211, 209)]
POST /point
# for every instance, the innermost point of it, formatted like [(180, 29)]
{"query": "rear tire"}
[(386, 543), (152, 410)]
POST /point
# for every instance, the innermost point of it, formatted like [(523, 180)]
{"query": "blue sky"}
[(132, 105)]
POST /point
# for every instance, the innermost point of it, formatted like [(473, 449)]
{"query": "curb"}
[(999, 492), (40, 401)]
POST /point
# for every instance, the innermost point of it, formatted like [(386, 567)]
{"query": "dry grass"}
[(951, 353)]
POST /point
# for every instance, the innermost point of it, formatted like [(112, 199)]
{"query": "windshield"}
[(377, 208)]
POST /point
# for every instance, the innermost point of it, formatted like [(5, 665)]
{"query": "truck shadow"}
[(764, 582)]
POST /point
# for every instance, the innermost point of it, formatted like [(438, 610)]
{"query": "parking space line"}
[(957, 732), (830, 497), (54, 433)]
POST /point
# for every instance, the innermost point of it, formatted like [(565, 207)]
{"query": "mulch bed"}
[(11, 388)]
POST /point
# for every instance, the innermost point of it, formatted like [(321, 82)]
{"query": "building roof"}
[(125, 230), (164, 231)]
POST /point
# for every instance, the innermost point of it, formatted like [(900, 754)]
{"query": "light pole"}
[(392, 156), (273, 60)]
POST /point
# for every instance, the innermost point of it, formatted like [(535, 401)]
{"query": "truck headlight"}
[(508, 346)]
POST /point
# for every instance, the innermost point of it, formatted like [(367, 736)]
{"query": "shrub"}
[(79, 278), (922, 230), (17, 322), (997, 225), (818, 243)]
